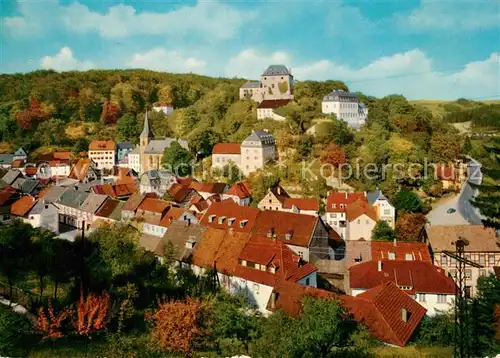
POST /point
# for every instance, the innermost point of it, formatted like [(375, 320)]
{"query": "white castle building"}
[(346, 106)]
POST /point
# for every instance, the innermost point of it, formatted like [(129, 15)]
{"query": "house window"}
[(307, 281), (441, 298), (256, 288), (468, 274), (491, 259), (482, 259), (482, 272), (367, 222), (392, 256), (387, 211), (453, 273), (421, 297), (359, 221), (444, 260), (409, 257)]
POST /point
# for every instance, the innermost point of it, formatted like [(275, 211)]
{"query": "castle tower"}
[(144, 138)]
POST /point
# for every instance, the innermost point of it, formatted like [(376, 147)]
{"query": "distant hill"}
[(441, 108)]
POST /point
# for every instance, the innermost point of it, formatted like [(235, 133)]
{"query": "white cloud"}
[(171, 61), (211, 18), (410, 73), (454, 15), (348, 21), (64, 61)]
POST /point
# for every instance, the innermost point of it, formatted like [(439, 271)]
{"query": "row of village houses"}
[(274, 253)]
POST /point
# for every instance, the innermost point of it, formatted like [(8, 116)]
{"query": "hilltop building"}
[(253, 153), (346, 106), (276, 83)]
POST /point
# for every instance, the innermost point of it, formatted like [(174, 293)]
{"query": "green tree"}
[(128, 130), (407, 200), (437, 330), (165, 95), (232, 173), (234, 323), (51, 132), (14, 244), (15, 334), (202, 141), (81, 145), (444, 147), (43, 255), (177, 159), (467, 146), (305, 146), (383, 232), (485, 310)]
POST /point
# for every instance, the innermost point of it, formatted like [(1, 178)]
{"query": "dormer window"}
[(341, 206), (221, 219), (243, 223), (271, 269), (334, 206), (211, 218), (288, 235), (392, 256), (230, 221), (190, 243), (409, 257), (270, 232), (243, 262)]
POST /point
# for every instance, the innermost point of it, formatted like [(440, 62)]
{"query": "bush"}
[(15, 334)]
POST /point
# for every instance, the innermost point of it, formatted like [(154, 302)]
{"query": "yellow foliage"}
[(398, 144)]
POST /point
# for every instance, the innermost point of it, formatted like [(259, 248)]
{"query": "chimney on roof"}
[(364, 193), (379, 266), (346, 195), (274, 297), (404, 315), (394, 242), (278, 190)]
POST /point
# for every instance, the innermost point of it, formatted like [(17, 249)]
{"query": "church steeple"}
[(146, 131)]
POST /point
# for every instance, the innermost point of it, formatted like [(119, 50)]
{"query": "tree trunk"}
[(56, 283), (10, 292), (40, 281)]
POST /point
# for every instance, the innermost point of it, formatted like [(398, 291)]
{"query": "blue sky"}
[(422, 49)]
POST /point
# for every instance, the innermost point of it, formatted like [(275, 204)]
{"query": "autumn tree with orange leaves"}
[(177, 325), (50, 323), (333, 155), (409, 226), (91, 313)]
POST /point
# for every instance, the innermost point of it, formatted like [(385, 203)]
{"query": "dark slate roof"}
[(373, 196), (146, 131), (72, 198), (337, 95), (6, 158), (251, 84), (28, 186), (54, 193), (11, 176), (158, 146), (93, 202), (124, 145), (20, 152), (179, 233), (263, 137), (276, 70)]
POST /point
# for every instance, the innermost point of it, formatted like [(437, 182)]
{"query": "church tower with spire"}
[(144, 138)]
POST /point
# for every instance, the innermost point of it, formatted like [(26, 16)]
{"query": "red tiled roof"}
[(446, 173), (272, 253), (358, 208), (126, 180), (301, 203), (22, 206), (135, 200), (153, 205), (380, 308), (30, 171), (239, 190), (18, 163), (6, 194), (125, 189), (214, 188), (244, 216), (300, 226), (201, 205), (61, 155), (107, 208), (418, 276), (102, 145), (185, 181), (179, 192), (335, 200), (104, 189), (273, 103), (227, 148), (80, 169), (171, 215), (418, 250)]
